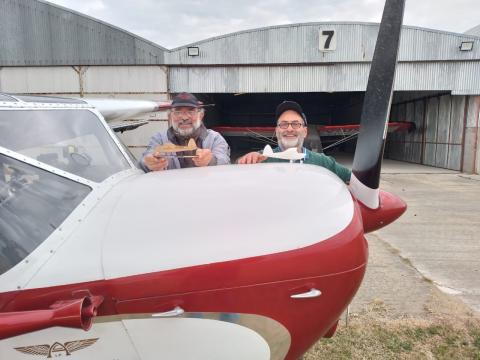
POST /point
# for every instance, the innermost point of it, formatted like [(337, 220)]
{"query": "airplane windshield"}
[(71, 140), (33, 203)]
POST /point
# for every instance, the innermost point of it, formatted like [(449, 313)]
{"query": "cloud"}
[(177, 23)]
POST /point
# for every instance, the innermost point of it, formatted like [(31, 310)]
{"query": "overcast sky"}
[(173, 23)]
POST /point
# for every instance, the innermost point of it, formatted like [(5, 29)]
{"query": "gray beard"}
[(186, 132), (287, 144)]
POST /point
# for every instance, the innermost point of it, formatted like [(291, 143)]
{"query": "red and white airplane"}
[(101, 261)]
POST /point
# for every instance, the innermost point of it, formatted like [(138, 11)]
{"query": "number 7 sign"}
[(327, 40)]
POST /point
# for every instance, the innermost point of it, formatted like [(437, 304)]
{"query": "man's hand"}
[(204, 157), (155, 162), (252, 158)]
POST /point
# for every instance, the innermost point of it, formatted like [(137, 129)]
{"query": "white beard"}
[(290, 143), (186, 132)]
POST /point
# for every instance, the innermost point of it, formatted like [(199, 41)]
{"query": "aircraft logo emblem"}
[(68, 348)]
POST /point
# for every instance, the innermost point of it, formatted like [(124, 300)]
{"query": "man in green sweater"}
[(291, 131)]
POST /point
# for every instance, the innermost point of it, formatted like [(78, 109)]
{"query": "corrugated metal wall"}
[(458, 77), (438, 138), (402, 146), (84, 80)]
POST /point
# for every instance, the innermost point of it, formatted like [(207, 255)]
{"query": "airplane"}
[(289, 154), (101, 261), (171, 150), (169, 147), (323, 130)]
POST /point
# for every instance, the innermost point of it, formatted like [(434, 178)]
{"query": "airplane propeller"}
[(367, 161)]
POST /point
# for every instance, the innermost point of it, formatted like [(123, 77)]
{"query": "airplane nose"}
[(391, 208)]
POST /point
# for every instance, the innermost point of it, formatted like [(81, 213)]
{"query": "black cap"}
[(290, 105), (185, 99)]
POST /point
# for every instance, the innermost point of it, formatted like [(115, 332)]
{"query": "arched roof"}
[(38, 33), (474, 31), (300, 43)]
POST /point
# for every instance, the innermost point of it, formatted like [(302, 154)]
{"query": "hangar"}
[(48, 49)]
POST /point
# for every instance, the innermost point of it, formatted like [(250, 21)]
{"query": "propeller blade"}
[(367, 161)]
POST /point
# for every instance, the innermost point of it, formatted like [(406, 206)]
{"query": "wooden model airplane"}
[(171, 148), (167, 149)]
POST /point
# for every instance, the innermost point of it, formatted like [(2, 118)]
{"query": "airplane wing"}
[(323, 130), (123, 109), (349, 129)]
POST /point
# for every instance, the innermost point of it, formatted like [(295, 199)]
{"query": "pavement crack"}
[(468, 178), (405, 260)]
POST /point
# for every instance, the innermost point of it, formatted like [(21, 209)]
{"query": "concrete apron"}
[(439, 236)]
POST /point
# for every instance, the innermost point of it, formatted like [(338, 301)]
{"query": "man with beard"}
[(291, 131), (186, 122)]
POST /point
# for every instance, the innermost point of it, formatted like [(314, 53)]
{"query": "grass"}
[(373, 335)]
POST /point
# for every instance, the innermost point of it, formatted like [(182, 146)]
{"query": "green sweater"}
[(319, 159)]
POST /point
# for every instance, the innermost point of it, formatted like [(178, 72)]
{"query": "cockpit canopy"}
[(34, 198), (75, 141)]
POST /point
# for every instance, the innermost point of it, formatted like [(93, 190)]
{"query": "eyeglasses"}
[(294, 124), (188, 112)]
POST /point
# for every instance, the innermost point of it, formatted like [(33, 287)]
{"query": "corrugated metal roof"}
[(474, 31), (39, 33), (300, 43)]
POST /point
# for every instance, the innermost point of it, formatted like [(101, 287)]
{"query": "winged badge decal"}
[(46, 350)]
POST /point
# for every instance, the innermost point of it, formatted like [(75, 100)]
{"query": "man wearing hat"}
[(186, 122), (291, 131)]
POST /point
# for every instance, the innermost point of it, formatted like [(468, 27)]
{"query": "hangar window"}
[(193, 51), (33, 203)]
